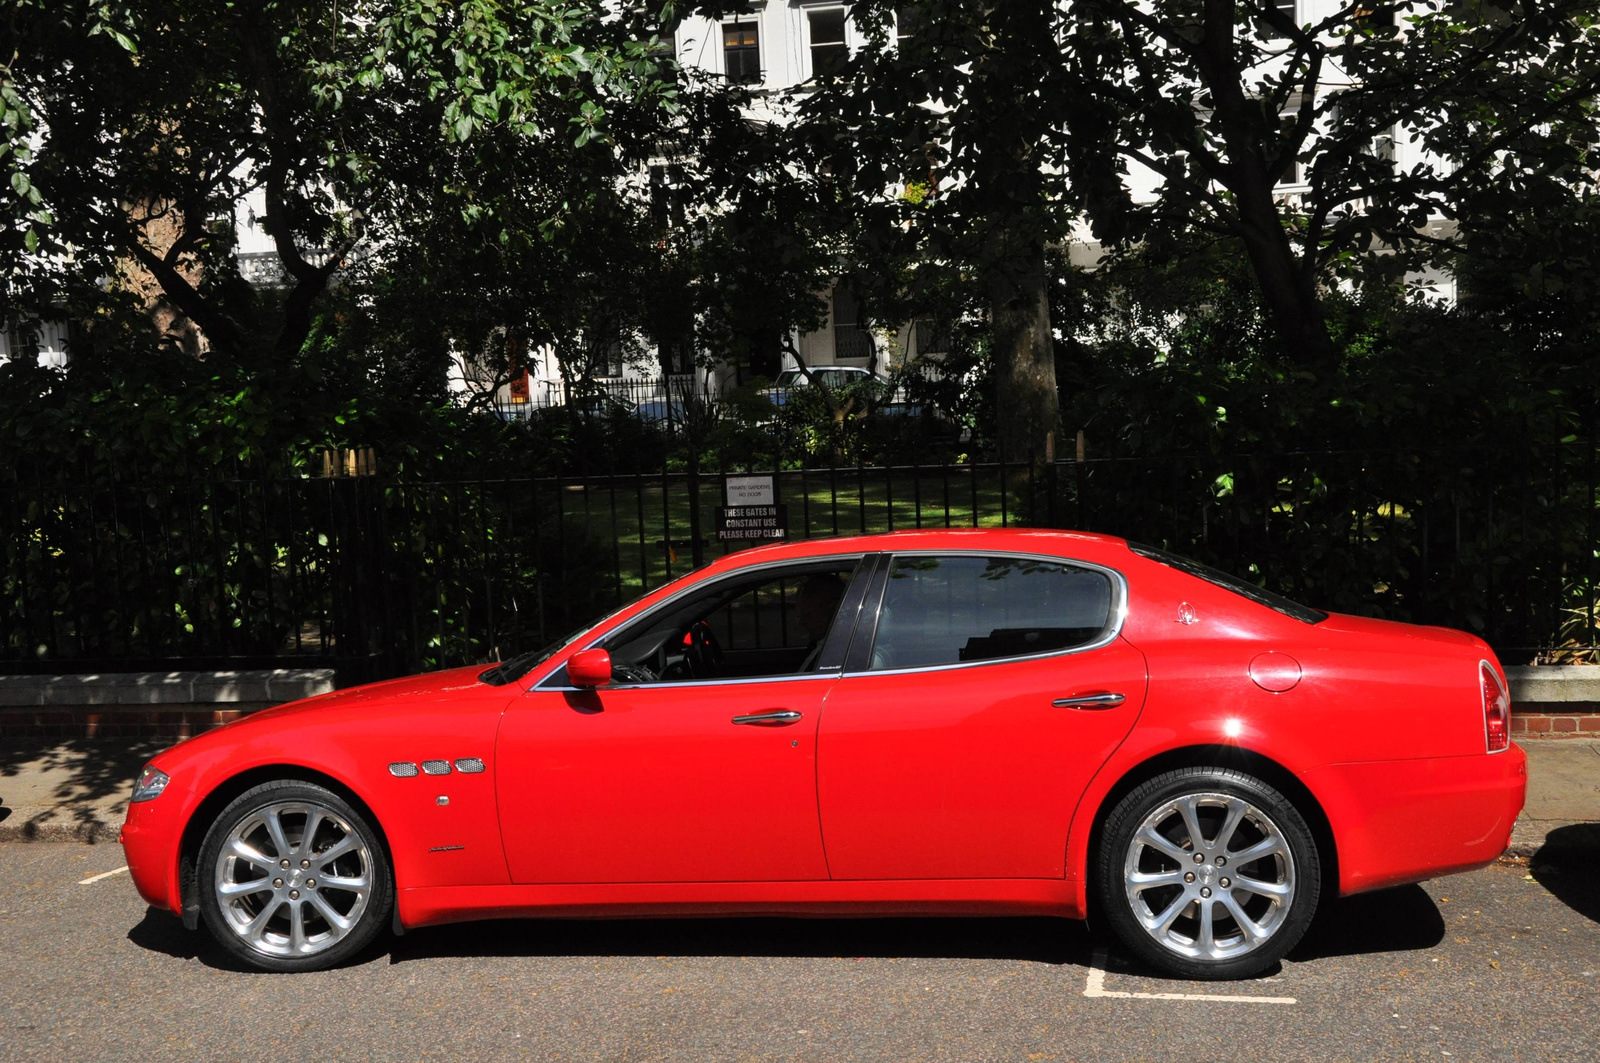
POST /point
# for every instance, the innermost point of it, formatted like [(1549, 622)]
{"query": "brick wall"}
[(1555, 720)]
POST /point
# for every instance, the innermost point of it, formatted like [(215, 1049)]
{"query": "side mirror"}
[(589, 668)]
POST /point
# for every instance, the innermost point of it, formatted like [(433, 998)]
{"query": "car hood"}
[(429, 686)]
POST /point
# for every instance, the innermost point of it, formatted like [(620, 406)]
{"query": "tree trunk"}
[(1027, 406), (1288, 296)]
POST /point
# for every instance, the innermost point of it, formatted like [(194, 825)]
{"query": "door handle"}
[(769, 719), (1090, 701)]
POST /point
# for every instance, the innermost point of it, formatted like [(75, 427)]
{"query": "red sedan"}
[(961, 722)]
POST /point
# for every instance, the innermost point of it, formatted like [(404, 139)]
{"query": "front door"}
[(698, 763), (994, 689)]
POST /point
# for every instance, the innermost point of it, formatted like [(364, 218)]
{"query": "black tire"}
[(292, 922), (1156, 880)]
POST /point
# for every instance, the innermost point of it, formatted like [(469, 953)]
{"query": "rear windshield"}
[(1276, 602)]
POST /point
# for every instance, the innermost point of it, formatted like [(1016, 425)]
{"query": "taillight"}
[(1496, 708)]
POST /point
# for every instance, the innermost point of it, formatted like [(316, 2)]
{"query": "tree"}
[(135, 129), (1228, 109), (939, 146)]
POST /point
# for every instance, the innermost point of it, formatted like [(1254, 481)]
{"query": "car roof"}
[(1087, 545)]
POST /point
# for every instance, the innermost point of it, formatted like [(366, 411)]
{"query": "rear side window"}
[(952, 610), (1244, 589)]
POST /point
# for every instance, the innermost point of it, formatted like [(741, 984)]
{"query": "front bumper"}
[(151, 836), (1400, 821)]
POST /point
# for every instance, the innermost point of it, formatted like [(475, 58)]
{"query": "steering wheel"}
[(705, 656)]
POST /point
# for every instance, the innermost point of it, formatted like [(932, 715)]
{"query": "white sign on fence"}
[(750, 491)]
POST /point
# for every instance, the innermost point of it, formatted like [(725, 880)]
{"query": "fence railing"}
[(382, 577)]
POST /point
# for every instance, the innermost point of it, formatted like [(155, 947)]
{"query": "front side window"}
[(769, 623), (960, 609), (741, 53)]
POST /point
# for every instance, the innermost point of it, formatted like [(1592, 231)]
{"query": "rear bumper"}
[(1400, 821)]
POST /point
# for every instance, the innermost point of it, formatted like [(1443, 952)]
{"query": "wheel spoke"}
[(1158, 924), (309, 836), (1207, 940), (240, 889), (297, 927), (1149, 837), (334, 851), (338, 882), (1268, 846), (1236, 811), (250, 855), (1252, 932), (259, 923), (1141, 881), (274, 825), (339, 923), (1191, 823), (1279, 890)]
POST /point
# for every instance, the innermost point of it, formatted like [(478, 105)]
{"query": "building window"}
[(850, 340), (1383, 146), (741, 53), (1287, 8), (606, 357), (828, 52), (1372, 17)]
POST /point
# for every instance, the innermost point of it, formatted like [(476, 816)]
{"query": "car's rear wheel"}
[(1208, 873), (292, 878)]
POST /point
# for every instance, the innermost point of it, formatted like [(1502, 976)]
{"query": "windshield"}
[(787, 378), (510, 671), (1244, 589)]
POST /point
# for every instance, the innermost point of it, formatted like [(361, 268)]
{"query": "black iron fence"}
[(381, 577)]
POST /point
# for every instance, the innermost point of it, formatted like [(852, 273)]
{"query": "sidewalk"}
[(76, 789)]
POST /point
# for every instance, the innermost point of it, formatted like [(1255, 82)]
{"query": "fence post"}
[(696, 547)]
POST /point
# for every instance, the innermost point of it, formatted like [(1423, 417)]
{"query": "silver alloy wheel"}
[(1209, 876), (292, 879)]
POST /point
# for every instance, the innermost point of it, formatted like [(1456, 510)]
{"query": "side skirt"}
[(435, 905)]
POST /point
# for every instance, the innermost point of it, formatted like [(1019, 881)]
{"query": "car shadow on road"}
[(163, 932), (1568, 865), (1036, 940), (1402, 919)]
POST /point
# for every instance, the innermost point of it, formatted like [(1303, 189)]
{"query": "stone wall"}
[(146, 704), (1555, 701)]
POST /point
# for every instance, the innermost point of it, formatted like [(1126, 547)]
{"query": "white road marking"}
[(1096, 987), (103, 874)]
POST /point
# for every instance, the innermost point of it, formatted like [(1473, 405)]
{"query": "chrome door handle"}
[(1090, 701), (769, 719)]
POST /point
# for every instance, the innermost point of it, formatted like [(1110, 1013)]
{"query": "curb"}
[(43, 824)]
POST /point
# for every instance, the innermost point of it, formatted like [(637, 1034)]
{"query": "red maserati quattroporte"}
[(961, 722)]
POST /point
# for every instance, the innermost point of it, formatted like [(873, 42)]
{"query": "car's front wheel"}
[(1208, 873), (292, 878)]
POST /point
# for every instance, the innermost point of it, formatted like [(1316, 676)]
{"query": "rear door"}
[(968, 724)]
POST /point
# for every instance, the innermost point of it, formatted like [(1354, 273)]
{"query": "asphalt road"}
[(1501, 964)]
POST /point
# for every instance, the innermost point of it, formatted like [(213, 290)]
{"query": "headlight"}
[(150, 784)]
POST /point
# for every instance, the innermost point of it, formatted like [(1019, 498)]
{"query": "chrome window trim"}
[(1118, 615), (695, 588)]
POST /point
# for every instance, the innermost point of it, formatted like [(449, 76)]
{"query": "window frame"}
[(741, 22), (557, 679), (842, 44), (858, 661)]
